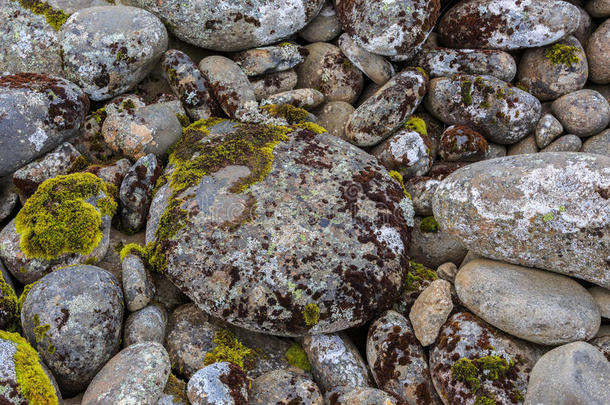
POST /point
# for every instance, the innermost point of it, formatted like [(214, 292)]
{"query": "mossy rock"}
[(313, 227), (25, 379)]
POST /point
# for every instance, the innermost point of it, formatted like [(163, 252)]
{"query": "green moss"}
[(417, 124), (171, 74), (9, 303), (133, 248), (55, 18), (121, 54), (548, 217), (423, 72), (297, 357), (310, 126), (466, 91), (521, 86), (473, 372), (51, 348), (24, 294), (311, 314), (99, 115), (292, 114), (465, 371), (493, 367), (483, 400), (177, 389), (34, 384), (562, 54), (57, 219), (79, 164), (518, 395), (417, 274), (229, 348), (398, 177), (184, 120), (429, 224), (40, 332)]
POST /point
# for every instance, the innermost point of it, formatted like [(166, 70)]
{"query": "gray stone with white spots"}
[(546, 210), (583, 112), (405, 151), (324, 27), (232, 26), (535, 305), (270, 59), (601, 296), (360, 396), (74, 318), (136, 190), (37, 113), (599, 144), (507, 24), (547, 130), (137, 284), (376, 67), (284, 387), (218, 384), (108, 50), (566, 143), (136, 375), (273, 83), (146, 325)]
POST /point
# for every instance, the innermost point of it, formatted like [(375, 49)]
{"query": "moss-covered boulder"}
[(66, 221), (279, 229), (23, 377)]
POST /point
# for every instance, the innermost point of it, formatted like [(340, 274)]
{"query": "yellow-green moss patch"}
[(177, 389), (57, 219), (310, 126), (55, 18), (429, 224), (417, 274), (562, 54), (292, 114), (311, 314), (9, 303), (34, 384), (417, 124), (229, 348), (297, 357), (398, 177)]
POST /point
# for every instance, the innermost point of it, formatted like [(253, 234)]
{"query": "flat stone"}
[(583, 112), (283, 387), (601, 296), (597, 54)]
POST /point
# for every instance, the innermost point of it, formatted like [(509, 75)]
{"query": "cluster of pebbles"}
[(345, 202)]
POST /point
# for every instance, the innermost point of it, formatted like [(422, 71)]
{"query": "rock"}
[(30, 38), (602, 343), (394, 29), (360, 396), (585, 27), (447, 271), (9, 304), (439, 62), (189, 85), (334, 116), (598, 8), (597, 54), (76, 210), (324, 27), (576, 373), (113, 173), (74, 318), (507, 25), (284, 387), (566, 143), (601, 296), (460, 143), (218, 384), (37, 113), (326, 69), (335, 361), (553, 214), (583, 112), (108, 50), (500, 112), (376, 67), (136, 191), (528, 303), (599, 144), (91, 143), (38, 387), (524, 146), (432, 246), (273, 83), (63, 160), (136, 375), (228, 84), (422, 188), (270, 59), (174, 392), (475, 362), (547, 130), (214, 24), (388, 109), (8, 198), (301, 98), (418, 279), (136, 132), (397, 360), (430, 311), (495, 151), (137, 285), (145, 325), (230, 239), (406, 151), (554, 70)]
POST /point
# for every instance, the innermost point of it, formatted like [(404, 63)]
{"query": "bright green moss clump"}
[(297, 357), (9, 304), (418, 125), (474, 372), (229, 348), (310, 126), (429, 224), (311, 314), (133, 248), (483, 400), (562, 54), (57, 219), (465, 371), (290, 113), (417, 274), (398, 177), (177, 389), (34, 384), (55, 18)]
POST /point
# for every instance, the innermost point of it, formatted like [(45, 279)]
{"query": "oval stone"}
[(535, 305), (507, 24), (232, 25), (548, 211), (307, 248)]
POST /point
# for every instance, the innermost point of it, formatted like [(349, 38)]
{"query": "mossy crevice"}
[(398, 177), (9, 304), (429, 224), (57, 219), (55, 18), (229, 348), (296, 356), (417, 274), (34, 383), (177, 389)]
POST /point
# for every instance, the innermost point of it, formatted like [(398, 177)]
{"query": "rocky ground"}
[(346, 202)]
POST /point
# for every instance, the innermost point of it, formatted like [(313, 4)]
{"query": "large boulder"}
[(280, 230), (548, 211)]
